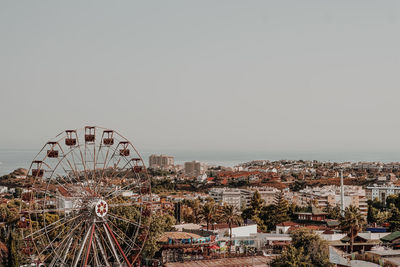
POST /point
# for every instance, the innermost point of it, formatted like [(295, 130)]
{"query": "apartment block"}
[(381, 192), (194, 168), (161, 161)]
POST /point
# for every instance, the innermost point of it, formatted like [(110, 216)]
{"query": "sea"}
[(11, 159)]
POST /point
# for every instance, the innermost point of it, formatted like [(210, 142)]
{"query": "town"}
[(257, 213)]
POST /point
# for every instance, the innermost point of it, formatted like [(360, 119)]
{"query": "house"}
[(392, 239), (283, 228), (316, 215)]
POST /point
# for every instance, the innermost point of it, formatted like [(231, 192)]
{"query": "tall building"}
[(161, 161), (194, 168)]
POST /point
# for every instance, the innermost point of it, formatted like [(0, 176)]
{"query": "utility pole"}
[(341, 193)]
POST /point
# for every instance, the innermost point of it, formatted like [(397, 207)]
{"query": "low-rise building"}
[(230, 196), (326, 196)]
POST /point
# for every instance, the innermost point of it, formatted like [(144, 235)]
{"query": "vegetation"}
[(268, 216), (209, 213), (231, 216), (306, 249), (352, 222)]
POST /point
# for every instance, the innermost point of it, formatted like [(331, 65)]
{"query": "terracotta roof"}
[(288, 223)]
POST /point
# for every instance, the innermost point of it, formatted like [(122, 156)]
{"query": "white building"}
[(230, 196), (330, 195), (381, 192)]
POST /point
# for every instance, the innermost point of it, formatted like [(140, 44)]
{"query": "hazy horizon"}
[(203, 76)]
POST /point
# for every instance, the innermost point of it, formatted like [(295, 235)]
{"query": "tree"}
[(292, 256), (383, 216), (13, 256), (313, 245), (392, 200), (230, 215), (281, 209), (352, 222), (254, 210), (196, 208), (332, 212), (209, 213), (372, 214), (394, 219), (158, 225)]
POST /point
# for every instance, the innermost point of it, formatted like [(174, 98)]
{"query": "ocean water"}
[(11, 159)]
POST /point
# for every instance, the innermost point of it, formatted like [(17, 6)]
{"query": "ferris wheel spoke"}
[(68, 191), (125, 238), (76, 242), (51, 242), (89, 244), (71, 155), (120, 190), (116, 242), (83, 164), (51, 225), (70, 238), (123, 219), (111, 243), (82, 246), (68, 173), (103, 253)]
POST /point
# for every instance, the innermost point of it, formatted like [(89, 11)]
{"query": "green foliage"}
[(230, 215), (13, 255), (306, 249), (158, 225), (293, 257), (332, 212), (281, 209), (313, 245), (376, 204), (254, 208), (163, 185), (372, 214), (352, 222), (209, 213), (394, 219), (18, 192), (393, 200), (267, 217)]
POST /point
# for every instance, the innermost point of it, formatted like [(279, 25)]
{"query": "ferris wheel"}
[(87, 201)]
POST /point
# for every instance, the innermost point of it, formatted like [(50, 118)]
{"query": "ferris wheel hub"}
[(101, 208)]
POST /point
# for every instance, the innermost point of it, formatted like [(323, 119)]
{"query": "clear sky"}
[(199, 75)]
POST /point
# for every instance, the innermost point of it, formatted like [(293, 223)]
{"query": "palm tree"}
[(352, 222), (209, 212), (230, 215), (196, 208)]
